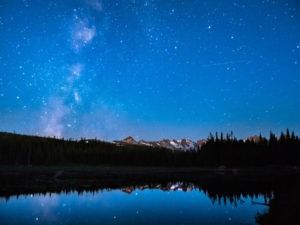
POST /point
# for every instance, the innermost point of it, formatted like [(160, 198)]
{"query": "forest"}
[(219, 150)]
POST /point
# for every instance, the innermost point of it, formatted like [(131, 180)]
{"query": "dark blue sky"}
[(149, 69)]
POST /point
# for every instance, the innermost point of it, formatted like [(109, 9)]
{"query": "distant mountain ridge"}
[(182, 144)]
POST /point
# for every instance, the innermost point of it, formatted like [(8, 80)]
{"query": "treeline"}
[(256, 151), (224, 150), (18, 149)]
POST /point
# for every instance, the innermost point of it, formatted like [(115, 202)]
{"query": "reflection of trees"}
[(220, 195), (283, 199), (284, 208)]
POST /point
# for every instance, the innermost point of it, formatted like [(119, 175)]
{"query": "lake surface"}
[(172, 205)]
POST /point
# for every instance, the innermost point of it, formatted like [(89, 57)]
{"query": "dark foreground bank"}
[(20, 179)]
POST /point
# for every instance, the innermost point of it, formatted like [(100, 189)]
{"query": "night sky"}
[(150, 69)]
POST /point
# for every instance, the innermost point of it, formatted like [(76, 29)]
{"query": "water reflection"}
[(168, 203)]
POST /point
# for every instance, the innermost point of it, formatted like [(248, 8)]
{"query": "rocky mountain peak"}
[(129, 140)]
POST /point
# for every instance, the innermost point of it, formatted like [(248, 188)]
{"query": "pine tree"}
[(287, 134), (293, 136), (217, 138)]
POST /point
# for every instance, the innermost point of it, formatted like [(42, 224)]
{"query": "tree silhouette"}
[(31, 150)]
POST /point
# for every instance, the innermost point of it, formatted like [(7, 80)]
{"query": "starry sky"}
[(151, 69)]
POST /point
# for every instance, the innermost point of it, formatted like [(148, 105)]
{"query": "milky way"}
[(149, 69)]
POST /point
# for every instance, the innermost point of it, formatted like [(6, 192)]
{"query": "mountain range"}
[(181, 144)]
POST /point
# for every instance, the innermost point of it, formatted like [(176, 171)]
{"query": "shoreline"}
[(17, 180)]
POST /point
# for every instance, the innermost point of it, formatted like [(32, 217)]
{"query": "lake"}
[(174, 203)]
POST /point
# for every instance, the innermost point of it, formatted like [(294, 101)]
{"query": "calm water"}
[(131, 206)]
